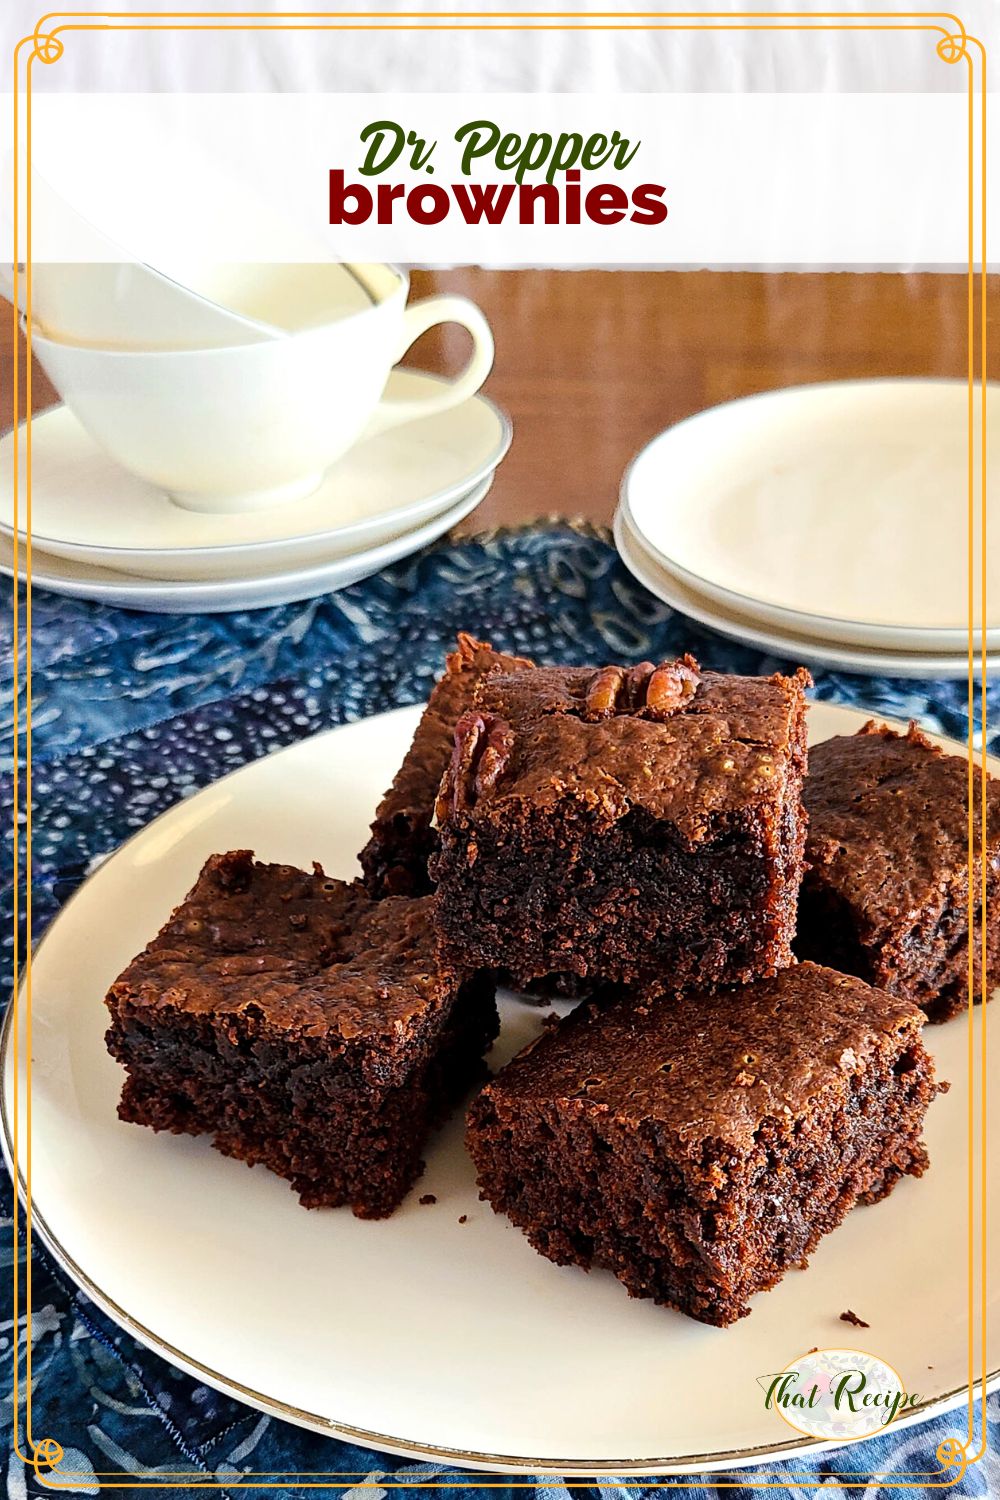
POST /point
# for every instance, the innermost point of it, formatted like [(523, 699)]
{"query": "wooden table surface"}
[(591, 364)]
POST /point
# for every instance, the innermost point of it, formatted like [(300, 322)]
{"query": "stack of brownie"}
[(638, 834)]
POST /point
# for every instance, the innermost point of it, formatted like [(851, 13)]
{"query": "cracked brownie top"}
[(714, 1066), (684, 745), (296, 951), (888, 821)]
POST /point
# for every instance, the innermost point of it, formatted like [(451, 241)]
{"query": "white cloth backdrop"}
[(507, 60)]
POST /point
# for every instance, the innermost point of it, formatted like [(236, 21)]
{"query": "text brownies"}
[(561, 197)]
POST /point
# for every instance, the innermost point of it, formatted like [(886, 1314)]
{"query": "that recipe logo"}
[(534, 178), (837, 1393)]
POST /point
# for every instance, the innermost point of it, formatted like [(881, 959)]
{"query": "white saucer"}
[(63, 576), (422, 1334), (786, 623), (86, 508), (837, 511), (679, 595)]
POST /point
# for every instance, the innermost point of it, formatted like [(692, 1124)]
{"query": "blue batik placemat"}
[(134, 711)]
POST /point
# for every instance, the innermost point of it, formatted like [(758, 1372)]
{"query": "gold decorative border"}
[(954, 44)]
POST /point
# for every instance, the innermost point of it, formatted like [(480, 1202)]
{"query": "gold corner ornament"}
[(45, 1455), (952, 48), (952, 1453), (48, 48)]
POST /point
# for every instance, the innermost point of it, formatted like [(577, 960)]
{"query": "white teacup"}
[(240, 428), (108, 297), (125, 305)]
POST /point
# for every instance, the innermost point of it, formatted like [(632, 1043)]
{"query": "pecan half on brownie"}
[(394, 860)]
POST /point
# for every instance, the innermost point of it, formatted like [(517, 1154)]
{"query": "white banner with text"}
[(687, 180)]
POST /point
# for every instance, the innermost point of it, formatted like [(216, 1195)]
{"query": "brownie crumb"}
[(551, 1021), (430, 1198), (463, 1218), (852, 1317)]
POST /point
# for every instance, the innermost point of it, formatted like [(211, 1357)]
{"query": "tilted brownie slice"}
[(301, 1025), (701, 1145), (640, 825), (886, 891), (394, 860)]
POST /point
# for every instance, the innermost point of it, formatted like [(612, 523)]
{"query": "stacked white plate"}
[(827, 523), (98, 532)]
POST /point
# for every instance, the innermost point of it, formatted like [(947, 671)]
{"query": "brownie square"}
[(640, 826), (301, 1025), (701, 1145), (394, 861), (886, 891)]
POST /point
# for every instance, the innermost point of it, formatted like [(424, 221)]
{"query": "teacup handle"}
[(392, 412)]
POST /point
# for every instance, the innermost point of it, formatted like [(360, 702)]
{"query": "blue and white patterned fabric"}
[(133, 712)]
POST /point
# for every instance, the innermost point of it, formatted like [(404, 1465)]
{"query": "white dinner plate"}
[(679, 595), (63, 576), (837, 510), (87, 508), (421, 1334)]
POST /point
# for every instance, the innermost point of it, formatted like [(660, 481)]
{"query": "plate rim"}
[(199, 590), (953, 665), (451, 493), (471, 1459), (774, 393), (744, 604)]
